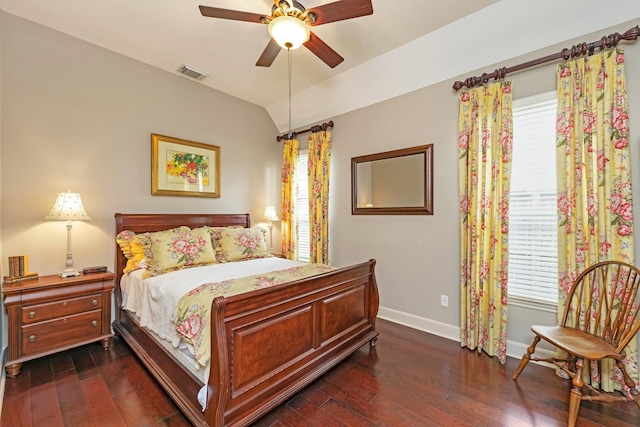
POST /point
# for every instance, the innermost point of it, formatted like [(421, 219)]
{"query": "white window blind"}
[(533, 243), (302, 207)]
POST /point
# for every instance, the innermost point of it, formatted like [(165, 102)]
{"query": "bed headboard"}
[(142, 223)]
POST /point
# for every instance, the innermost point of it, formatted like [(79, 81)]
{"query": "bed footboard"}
[(269, 344), (266, 344)]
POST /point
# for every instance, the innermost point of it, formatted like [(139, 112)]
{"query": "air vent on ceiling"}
[(194, 73)]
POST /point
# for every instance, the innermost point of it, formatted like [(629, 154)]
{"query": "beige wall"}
[(418, 256), (76, 116)]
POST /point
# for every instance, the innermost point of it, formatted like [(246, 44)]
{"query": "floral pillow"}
[(216, 236), (132, 249), (178, 248), (239, 244)]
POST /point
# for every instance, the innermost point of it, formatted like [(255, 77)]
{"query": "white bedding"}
[(153, 299)]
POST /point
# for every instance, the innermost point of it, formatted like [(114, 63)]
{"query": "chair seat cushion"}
[(578, 343)]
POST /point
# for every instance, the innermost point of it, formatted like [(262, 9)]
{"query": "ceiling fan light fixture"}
[(289, 32)]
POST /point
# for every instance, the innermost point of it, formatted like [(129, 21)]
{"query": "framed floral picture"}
[(184, 168)]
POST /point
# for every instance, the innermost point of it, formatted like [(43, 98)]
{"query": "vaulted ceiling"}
[(403, 46)]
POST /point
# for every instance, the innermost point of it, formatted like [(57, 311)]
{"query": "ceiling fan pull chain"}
[(289, 74)]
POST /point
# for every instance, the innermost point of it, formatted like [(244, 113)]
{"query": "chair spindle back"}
[(603, 301)]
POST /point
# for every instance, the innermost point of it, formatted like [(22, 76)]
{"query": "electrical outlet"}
[(444, 301)]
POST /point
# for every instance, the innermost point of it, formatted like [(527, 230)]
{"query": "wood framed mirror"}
[(398, 182)]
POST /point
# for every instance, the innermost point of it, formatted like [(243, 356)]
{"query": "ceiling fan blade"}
[(236, 15), (323, 51), (269, 54), (340, 10)]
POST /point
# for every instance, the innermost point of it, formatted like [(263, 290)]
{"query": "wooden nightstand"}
[(52, 314)]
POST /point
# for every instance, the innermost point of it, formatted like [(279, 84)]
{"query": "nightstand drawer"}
[(40, 312), (58, 333)]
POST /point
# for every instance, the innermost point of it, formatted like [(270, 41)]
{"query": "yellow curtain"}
[(594, 181), (485, 141), (319, 159), (289, 225)]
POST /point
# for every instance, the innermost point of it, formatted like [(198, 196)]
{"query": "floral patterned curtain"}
[(485, 141), (594, 181), (289, 225), (319, 159)]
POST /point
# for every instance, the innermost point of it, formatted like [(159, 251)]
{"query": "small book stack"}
[(19, 270)]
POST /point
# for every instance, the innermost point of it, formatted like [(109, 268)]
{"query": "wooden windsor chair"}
[(600, 318)]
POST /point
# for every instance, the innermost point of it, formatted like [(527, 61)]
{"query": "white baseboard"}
[(421, 323), (518, 349), (514, 349)]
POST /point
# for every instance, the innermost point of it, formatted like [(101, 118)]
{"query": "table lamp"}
[(68, 207), (270, 215)]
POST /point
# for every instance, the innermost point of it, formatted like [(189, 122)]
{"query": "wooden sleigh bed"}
[(266, 344)]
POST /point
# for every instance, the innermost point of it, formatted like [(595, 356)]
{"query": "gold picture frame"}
[(184, 168)]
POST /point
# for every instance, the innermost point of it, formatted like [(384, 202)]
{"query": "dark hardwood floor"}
[(410, 379)]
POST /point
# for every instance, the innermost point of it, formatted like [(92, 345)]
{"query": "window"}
[(302, 207), (533, 241)]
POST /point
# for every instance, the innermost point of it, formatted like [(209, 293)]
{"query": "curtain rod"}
[(316, 128), (576, 50)]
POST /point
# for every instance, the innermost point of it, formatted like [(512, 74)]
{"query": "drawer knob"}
[(94, 323), (65, 303), (32, 338), (32, 314), (94, 302)]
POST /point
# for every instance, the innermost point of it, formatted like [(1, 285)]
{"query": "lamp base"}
[(69, 272)]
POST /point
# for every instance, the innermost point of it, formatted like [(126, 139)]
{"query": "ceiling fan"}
[(293, 13)]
